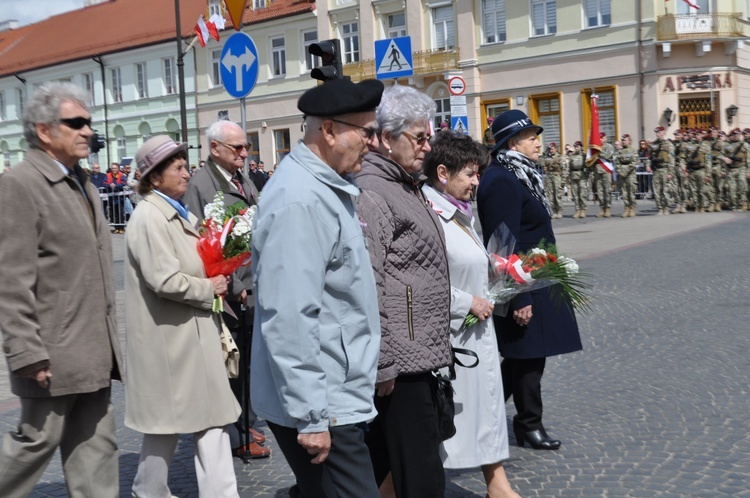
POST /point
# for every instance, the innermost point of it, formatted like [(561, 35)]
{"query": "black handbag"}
[(444, 405)]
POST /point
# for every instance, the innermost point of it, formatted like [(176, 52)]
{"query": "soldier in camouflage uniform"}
[(735, 170), (746, 133), (626, 160), (661, 164), (554, 170), (718, 142), (696, 161), (579, 179), (488, 140), (681, 177), (603, 178)]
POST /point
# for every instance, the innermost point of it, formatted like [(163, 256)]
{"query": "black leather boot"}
[(538, 439)]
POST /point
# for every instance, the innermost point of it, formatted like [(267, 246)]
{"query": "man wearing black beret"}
[(317, 323)]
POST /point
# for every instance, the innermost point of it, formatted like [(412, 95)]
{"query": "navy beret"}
[(340, 96)]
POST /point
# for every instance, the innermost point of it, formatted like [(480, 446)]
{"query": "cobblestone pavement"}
[(656, 405)]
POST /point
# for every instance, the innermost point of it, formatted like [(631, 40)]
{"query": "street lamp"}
[(731, 112), (668, 115)]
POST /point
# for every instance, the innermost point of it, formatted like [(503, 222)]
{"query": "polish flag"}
[(692, 5), (595, 140), (205, 29)]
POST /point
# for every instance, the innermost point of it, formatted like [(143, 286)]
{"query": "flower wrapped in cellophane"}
[(512, 273), (224, 245)]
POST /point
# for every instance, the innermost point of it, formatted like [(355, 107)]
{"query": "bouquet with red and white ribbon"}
[(512, 273), (224, 245)]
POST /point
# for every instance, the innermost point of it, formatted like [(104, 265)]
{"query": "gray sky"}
[(30, 11)]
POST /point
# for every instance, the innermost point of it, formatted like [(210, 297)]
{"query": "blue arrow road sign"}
[(239, 65), (393, 58)]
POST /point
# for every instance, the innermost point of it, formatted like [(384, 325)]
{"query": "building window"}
[(598, 13), (350, 40), (214, 8), (547, 110), (495, 109), (308, 38), (396, 25), (443, 27), (278, 56), (20, 102), (281, 139), (141, 80), (253, 153), (216, 67), (169, 76), (260, 4), (544, 17), (442, 112), (116, 85), (493, 20), (88, 85), (606, 106), (122, 147), (223, 115), (2, 106)]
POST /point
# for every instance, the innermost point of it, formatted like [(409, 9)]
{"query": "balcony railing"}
[(424, 62), (701, 26)]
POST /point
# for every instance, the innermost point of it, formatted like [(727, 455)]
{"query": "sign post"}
[(459, 115)]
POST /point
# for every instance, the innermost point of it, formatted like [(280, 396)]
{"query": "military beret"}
[(336, 97), (658, 129), (578, 143), (553, 144), (624, 136), (722, 134), (746, 130), (713, 128), (736, 131), (602, 134)]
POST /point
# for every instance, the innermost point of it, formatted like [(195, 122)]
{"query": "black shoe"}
[(538, 439)]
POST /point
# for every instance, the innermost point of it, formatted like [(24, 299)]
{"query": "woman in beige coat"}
[(177, 381)]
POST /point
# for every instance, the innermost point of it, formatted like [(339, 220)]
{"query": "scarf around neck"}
[(524, 169)]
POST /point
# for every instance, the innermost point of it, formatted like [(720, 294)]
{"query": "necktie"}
[(238, 184)]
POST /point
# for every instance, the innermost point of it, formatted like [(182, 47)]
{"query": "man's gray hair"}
[(401, 107), (44, 107), (217, 132)]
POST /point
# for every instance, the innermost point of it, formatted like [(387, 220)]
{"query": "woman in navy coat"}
[(536, 325)]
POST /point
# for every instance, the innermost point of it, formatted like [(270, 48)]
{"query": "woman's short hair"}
[(44, 107), (401, 107), (145, 184), (454, 151)]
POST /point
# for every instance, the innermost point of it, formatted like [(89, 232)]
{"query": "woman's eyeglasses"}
[(76, 123), (369, 131), (236, 148), (419, 139)]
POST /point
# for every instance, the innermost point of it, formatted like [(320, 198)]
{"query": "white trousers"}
[(214, 467)]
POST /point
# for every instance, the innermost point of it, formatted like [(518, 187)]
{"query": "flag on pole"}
[(692, 4), (205, 29), (595, 140)]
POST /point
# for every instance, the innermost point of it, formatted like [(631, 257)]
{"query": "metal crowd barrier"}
[(117, 206)]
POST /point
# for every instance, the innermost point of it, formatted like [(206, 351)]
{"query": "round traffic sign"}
[(238, 65), (457, 85)]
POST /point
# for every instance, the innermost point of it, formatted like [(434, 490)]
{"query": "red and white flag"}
[(692, 4), (205, 29), (595, 140)]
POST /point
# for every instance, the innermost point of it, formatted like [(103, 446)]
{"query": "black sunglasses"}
[(236, 148), (76, 123)]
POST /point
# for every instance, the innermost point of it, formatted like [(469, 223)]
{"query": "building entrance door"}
[(696, 113)]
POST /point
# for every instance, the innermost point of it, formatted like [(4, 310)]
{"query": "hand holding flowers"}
[(226, 234)]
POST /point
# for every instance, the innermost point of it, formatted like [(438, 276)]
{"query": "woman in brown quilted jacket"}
[(407, 249)]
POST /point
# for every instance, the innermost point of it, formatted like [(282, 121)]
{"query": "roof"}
[(115, 26)]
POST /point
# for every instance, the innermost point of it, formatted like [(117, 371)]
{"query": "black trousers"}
[(522, 378), (346, 473), (404, 439)]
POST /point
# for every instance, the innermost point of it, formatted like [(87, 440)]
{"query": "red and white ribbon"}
[(514, 267)]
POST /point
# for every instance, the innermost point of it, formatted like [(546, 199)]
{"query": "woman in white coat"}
[(481, 438), (177, 382)]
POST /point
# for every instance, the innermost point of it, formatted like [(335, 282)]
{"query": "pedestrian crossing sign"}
[(393, 58), (460, 124)]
